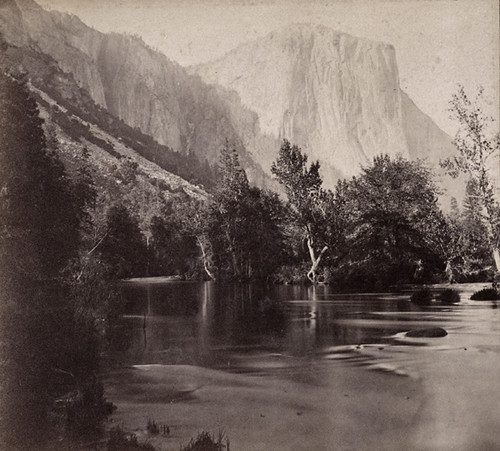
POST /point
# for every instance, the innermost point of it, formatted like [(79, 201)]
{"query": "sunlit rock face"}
[(336, 96), (136, 83)]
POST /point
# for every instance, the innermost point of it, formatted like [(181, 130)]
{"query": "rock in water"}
[(430, 332)]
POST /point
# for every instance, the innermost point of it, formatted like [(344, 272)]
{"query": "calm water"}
[(339, 351), (248, 328)]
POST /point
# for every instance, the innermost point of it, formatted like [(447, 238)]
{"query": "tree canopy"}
[(393, 213), (478, 152), (44, 342), (309, 202)]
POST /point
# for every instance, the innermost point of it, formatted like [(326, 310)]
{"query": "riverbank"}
[(341, 373), (357, 409)]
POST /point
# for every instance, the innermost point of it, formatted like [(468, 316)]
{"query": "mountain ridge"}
[(136, 83), (335, 95)]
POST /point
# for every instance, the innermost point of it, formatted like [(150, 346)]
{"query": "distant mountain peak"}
[(335, 95)]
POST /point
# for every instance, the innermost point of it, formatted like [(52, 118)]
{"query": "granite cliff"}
[(136, 83), (336, 96)]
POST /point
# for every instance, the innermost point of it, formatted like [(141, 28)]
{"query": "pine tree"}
[(39, 235), (43, 339)]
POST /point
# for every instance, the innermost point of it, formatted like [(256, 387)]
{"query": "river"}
[(304, 368)]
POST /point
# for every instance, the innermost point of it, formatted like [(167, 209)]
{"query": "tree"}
[(243, 224), (472, 251), (478, 152), (41, 211), (173, 244), (227, 212), (395, 215), (123, 249), (195, 220), (308, 201), (262, 247)]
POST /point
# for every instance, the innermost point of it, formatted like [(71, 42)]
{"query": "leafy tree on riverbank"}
[(464, 241), (309, 202), (235, 235), (394, 216), (123, 248), (173, 249), (244, 223), (478, 148)]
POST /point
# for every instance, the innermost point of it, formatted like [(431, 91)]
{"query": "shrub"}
[(119, 440), (449, 296), (207, 442), (486, 294), (291, 274), (422, 297), (152, 427)]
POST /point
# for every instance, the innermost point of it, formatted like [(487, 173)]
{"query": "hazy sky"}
[(439, 43)]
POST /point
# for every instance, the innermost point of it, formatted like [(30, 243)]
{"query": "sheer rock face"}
[(136, 83), (336, 96)]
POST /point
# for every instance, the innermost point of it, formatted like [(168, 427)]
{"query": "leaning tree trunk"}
[(449, 271), (312, 275), (206, 255)]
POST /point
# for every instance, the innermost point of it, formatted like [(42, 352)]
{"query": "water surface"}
[(445, 391)]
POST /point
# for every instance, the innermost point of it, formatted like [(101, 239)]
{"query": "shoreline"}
[(360, 409), (438, 394)]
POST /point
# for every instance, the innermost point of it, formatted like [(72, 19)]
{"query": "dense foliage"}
[(49, 345), (309, 203), (478, 150), (393, 219), (384, 227), (123, 248)]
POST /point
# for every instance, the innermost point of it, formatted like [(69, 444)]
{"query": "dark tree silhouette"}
[(124, 249), (40, 215)]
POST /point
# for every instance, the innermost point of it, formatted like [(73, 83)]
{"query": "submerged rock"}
[(486, 294), (422, 297), (449, 296), (428, 332)]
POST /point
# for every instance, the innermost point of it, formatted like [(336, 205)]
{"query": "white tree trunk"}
[(496, 256), (313, 272), (449, 272), (205, 256)]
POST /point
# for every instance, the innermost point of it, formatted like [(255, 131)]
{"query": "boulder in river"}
[(422, 297), (429, 332)]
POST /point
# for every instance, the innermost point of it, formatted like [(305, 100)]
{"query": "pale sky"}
[(439, 43)]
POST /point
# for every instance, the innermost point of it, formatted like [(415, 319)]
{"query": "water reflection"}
[(325, 355), (251, 328)]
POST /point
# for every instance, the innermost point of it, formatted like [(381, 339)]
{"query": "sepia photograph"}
[(249, 225)]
